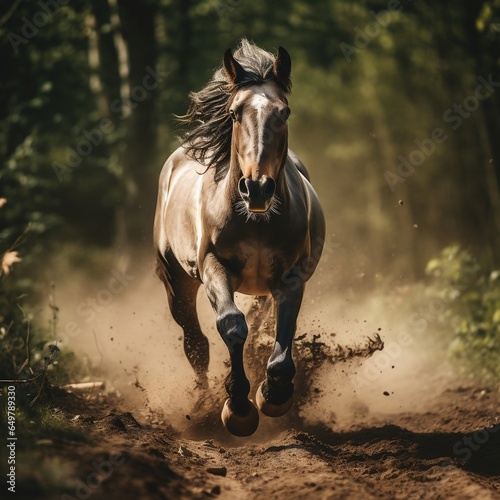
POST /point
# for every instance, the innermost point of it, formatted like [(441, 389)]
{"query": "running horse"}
[(236, 212)]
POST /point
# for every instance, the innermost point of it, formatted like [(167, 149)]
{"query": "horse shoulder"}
[(175, 220), (298, 164), (303, 191)]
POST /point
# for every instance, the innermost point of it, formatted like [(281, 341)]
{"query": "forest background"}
[(395, 112)]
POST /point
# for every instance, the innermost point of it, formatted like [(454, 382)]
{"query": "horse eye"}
[(232, 114), (283, 115)]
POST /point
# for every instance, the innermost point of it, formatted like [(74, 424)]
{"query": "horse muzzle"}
[(257, 194)]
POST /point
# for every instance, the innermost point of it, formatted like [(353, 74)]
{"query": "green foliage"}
[(473, 298), (29, 351), (42, 422), (489, 17), (46, 106), (29, 357), (353, 115)]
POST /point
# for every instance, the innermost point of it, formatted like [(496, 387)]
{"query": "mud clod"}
[(217, 471)]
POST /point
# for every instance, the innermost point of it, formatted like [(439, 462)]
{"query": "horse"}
[(236, 212)]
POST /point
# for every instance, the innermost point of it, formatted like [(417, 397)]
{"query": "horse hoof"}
[(240, 425), (271, 409)]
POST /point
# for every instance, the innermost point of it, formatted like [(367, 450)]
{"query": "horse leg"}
[(181, 291), (275, 395), (239, 415)]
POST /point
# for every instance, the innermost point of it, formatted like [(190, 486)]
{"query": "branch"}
[(27, 360), (9, 13)]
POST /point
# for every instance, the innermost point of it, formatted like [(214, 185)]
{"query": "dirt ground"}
[(369, 420), (429, 436), (451, 450)]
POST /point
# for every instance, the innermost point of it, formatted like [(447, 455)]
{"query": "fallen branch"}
[(84, 386)]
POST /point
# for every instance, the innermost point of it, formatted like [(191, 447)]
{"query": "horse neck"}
[(233, 178)]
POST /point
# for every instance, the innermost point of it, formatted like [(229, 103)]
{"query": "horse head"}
[(259, 144)]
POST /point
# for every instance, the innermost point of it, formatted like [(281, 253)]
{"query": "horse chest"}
[(260, 259), (257, 271)]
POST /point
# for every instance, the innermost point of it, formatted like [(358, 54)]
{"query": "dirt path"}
[(406, 436), (449, 451), (393, 429)]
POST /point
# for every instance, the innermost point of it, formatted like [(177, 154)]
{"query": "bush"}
[(473, 295), (28, 356)]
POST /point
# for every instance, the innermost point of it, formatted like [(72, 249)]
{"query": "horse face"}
[(260, 134), (260, 141)]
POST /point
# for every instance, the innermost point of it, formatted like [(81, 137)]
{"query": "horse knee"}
[(232, 328)]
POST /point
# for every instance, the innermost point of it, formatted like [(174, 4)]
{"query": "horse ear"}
[(233, 68), (283, 66)]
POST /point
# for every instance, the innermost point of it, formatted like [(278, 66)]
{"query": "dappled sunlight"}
[(393, 106)]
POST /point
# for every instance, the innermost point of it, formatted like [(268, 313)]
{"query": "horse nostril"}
[(242, 186), (256, 191), (268, 187)]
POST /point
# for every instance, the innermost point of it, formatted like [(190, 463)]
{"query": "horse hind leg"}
[(182, 290)]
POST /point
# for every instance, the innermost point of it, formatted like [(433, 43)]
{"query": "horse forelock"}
[(209, 141)]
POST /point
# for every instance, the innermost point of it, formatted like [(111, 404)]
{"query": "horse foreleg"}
[(239, 415), (275, 395)]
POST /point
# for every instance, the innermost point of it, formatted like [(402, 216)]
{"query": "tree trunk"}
[(485, 52), (140, 118), (108, 56)]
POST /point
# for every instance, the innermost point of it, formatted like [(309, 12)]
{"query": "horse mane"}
[(209, 142)]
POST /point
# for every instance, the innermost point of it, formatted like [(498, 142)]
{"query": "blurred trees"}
[(89, 89)]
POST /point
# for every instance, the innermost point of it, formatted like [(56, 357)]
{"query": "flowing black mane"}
[(209, 142)]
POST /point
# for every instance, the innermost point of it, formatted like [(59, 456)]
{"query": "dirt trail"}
[(400, 427), (409, 455)]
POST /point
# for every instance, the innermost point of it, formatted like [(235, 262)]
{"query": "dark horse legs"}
[(239, 415), (181, 292), (275, 395)]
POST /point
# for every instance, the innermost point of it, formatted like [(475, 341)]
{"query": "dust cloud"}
[(121, 328)]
